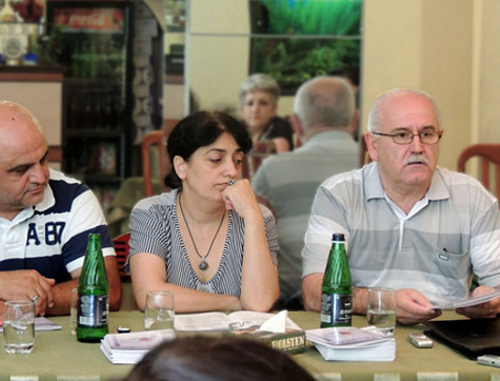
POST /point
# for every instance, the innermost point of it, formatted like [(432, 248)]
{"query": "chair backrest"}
[(365, 156), (122, 249), (154, 145), (489, 157), (264, 201), (253, 159), (152, 140)]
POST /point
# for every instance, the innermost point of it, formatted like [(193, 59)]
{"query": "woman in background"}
[(208, 240), (259, 96)]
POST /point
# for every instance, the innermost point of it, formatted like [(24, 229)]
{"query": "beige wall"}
[(425, 44), (488, 63), (219, 50), (447, 47), (42, 99)]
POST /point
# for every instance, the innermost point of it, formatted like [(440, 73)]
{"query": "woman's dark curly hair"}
[(205, 358), (199, 130)]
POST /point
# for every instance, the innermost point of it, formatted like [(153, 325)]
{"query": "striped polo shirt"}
[(449, 234), (154, 229), (51, 237)]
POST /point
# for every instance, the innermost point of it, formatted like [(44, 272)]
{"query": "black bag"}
[(471, 337)]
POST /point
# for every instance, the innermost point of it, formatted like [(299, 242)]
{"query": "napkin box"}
[(292, 341)]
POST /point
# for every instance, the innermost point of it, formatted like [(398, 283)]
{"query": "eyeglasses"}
[(406, 137)]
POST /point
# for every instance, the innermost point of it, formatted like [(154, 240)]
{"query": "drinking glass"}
[(19, 327), (73, 312), (159, 312), (381, 310)]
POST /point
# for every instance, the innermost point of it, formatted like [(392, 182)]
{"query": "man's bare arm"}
[(26, 285), (62, 297), (115, 284), (311, 291), (62, 291)]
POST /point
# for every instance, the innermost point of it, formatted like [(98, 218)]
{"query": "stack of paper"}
[(352, 344), (451, 304), (130, 348), (41, 324)]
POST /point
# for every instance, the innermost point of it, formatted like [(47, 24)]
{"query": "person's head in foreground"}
[(216, 359)]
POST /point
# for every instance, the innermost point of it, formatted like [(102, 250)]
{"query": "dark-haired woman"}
[(208, 240), (217, 359)]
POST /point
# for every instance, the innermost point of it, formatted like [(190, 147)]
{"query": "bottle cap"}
[(121, 329), (338, 237)]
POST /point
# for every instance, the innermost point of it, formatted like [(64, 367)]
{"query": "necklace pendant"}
[(203, 265)]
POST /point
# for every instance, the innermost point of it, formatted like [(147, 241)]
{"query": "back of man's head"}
[(325, 102)]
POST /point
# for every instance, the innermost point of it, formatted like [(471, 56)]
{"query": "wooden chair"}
[(156, 140), (489, 157), (152, 140), (122, 249), (365, 156), (264, 201), (253, 159)]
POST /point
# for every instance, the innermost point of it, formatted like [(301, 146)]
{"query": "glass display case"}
[(106, 49), (94, 46)]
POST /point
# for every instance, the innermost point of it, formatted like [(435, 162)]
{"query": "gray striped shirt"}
[(154, 229), (289, 181), (449, 234)]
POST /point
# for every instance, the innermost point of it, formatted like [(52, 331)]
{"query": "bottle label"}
[(93, 310), (336, 309)]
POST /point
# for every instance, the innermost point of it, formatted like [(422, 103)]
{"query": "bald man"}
[(323, 113), (45, 219)]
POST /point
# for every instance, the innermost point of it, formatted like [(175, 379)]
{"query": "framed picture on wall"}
[(296, 40)]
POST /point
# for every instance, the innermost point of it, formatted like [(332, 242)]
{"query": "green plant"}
[(327, 17), (298, 58), (293, 61)]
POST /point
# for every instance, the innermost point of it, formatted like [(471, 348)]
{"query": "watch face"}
[(12, 48)]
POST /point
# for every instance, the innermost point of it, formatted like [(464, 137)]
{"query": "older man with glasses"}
[(409, 224)]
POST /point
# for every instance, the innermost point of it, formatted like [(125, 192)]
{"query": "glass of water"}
[(381, 310), (73, 311), (19, 326), (159, 312)]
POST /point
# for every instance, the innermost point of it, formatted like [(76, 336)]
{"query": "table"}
[(437, 363), (59, 356)]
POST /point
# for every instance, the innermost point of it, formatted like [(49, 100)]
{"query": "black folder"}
[(471, 337)]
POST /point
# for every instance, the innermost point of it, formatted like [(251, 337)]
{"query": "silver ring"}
[(231, 182), (35, 298)]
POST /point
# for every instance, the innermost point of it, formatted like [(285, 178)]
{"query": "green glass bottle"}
[(93, 293), (336, 291)]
